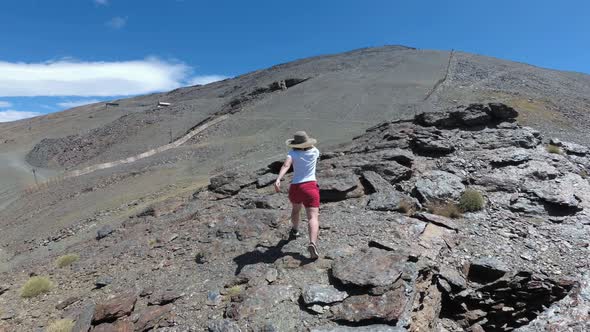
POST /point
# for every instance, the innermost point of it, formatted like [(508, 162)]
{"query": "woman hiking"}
[(304, 190)]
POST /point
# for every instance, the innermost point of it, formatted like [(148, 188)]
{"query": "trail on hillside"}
[(146, 154)]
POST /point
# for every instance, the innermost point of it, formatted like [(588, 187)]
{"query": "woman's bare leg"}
[(296, 215), (314, 223)]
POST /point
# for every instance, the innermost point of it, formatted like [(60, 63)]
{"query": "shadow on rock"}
[(268, 255)]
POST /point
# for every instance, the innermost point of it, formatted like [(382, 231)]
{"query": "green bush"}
[(66, 260), (445, 209), (471, 200), (553, 149), (62, 325), (234, 291), (36, 286)]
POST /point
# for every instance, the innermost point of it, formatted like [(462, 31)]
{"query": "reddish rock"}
[(387, 307), (118, 326), (114, 308), (154, 316)]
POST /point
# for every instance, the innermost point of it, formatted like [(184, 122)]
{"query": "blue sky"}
[(56, 54)]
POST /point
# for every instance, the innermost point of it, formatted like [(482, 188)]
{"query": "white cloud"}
[(76, 78), (117, 22), (102, 2), (205, 79), (76, 103), (5, 104), (12, 115)]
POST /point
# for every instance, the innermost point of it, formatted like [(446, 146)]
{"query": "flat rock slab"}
[(372, 267), (437, 220), (387, 307), (164, 297), (263, 298), (152, 316), (322, 294)]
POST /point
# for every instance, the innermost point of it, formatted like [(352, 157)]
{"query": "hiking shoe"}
[(313, 251), (294, 233)]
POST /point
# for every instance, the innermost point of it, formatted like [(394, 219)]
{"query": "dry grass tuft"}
[(36, 286), (62, 325), (553, 149), (471, 200), (445, 209), (234, 291), (66, 260), (406, 206)]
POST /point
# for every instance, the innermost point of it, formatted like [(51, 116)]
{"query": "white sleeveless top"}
[(304, 162)]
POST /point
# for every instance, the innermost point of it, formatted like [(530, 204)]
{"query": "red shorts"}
[(307, 193)]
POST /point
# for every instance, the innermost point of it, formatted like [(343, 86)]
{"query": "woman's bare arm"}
[(284, 170)]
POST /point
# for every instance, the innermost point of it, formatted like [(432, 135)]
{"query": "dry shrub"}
[(553, 149), (36, 286), (66, 260), (62, 325), (471, 200), (445, 209), (406, 206)]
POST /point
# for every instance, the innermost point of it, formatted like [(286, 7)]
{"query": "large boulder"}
[(119, 306), (438, 186), (338, 184), (372, 267)]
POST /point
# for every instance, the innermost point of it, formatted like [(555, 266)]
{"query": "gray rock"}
[(485, 270), (375, 183), (103, 281), (570, 148), (223, 325), (390, 201), (164, 297), (372, 267), (327, 294), (338, 185), (506, 157), (391, 171), (438, 186), (214, 298), (6, 314), (265, 180), (84, 318), (104, 231), (502, 111), (432, 144)]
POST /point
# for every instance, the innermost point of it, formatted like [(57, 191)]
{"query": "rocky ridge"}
[(222, 261)]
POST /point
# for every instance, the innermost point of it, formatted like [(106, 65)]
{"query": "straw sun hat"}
[(301, 141)]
